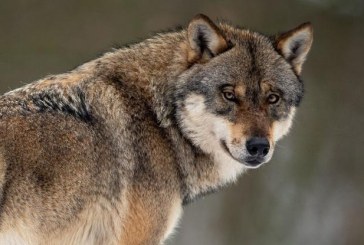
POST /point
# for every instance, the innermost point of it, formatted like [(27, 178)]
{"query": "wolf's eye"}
[(229, 95), (273, 99)]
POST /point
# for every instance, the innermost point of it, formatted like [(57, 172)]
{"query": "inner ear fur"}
[(295, 44), (205, 39)]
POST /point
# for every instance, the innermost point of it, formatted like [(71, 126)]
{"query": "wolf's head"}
[(242, 88)]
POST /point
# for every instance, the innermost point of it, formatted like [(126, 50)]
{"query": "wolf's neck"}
[(150, 67)]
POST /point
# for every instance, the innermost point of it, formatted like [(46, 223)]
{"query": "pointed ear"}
[(295, 44), (205, 39)]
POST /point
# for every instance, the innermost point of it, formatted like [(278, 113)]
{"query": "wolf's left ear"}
[(205, 39), (295, 44)]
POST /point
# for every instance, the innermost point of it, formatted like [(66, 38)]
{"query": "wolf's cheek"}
[(221, 129), (281, 128), (198, 124)]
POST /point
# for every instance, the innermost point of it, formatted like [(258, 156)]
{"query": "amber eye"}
[(273, 99), (229, 95)]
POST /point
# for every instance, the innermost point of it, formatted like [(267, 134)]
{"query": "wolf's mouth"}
[(255, 161), (252, 162)]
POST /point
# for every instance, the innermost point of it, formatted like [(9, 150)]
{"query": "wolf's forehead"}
[(248, 63)]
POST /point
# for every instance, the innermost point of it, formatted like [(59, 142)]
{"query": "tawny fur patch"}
[(174, 216)]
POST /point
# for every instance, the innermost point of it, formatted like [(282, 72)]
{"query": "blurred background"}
[(312, 192)]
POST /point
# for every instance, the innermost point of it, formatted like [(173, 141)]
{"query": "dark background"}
[(312, 190)]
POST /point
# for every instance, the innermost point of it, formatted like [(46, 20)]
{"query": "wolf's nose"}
[(258, 146)]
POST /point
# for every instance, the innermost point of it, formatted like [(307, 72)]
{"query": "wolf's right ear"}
[(295, 44), (205, 39)]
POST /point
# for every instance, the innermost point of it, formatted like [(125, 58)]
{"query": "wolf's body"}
[(109, 152)]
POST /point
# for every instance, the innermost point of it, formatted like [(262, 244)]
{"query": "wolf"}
[(110, 152)]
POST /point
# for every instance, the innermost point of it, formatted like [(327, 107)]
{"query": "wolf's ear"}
[(205, 39), (295, 44)]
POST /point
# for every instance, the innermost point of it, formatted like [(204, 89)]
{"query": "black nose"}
[(258, 146)]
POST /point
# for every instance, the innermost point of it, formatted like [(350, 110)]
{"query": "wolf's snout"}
[(258, 147)]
